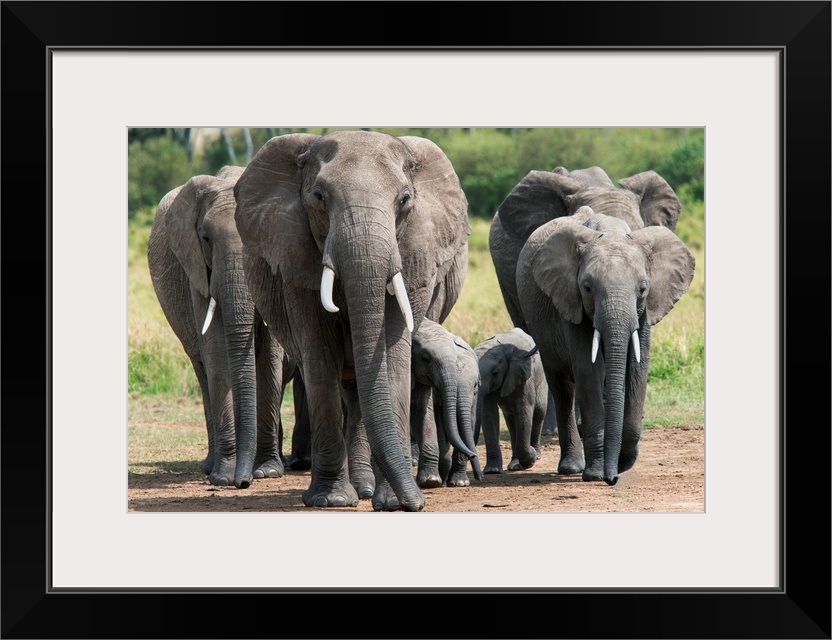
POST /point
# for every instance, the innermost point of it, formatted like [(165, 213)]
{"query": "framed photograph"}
[(754, 76)]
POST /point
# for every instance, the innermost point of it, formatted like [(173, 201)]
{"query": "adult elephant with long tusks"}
[(644, 199), (590, 289), (195, 260), (352, 238)]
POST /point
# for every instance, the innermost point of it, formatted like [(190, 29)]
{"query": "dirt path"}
[(669, 476)]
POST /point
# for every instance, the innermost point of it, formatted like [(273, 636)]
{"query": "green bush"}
[(154, 167)]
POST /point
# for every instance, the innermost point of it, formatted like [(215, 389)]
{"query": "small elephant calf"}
[(512, 380), (444, 381)]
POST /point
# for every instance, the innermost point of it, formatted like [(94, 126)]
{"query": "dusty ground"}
[(669, 476)]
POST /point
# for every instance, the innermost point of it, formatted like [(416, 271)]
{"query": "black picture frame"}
[(800, 608)]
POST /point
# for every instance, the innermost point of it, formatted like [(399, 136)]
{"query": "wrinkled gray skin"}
[(444, 367), (645, 199), (511, 380), (364, 207), (590, 273), (194, 253)]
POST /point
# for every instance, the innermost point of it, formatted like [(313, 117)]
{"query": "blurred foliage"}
[(488, 161)]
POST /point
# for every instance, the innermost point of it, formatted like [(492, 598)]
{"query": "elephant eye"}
[(587, 287), (205, 237), (642, 288), (425, 358), (404, 199)]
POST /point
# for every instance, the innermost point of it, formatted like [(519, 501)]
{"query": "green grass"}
[(162, 387)]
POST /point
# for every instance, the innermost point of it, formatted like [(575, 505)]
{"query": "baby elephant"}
[(511, 379), (444, 384)]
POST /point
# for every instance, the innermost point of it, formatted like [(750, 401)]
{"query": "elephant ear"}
[(556, 261), (270, 216), (519, 370), (538, 198), (659, 205), (181, 222), (671, 270), (440, 199)]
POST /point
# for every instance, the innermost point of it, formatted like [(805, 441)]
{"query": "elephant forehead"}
[(618, 203), (369, 173), (619, 255)]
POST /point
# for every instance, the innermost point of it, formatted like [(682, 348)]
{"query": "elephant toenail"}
[(320, 501), (339, 502)]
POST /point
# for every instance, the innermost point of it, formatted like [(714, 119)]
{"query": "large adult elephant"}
[(445, 369), (590, 288), (645, 199), (352, 238), (195, 260)]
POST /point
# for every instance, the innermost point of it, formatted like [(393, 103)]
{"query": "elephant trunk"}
[(448, 390), (238, 322), (481, 393), (364, 255), (617, 339), (465, 413)]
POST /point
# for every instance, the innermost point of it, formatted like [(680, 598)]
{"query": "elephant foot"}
[(208, 464), (627, 460), (516, 465), (222, 473), (459, 479), (593, 472), (299, 464), (492, 468), (428, 478), (385, 499), (571, 463), (320, 494), (268, 467), (414, 454), (364, 482)]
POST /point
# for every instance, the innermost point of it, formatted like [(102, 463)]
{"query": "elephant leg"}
[(589, 394), (330, 484), (300, 458), (550, 422), (571, 454), (519, 421), (358, 446), (222, 406), (442, 444), (268, 358), (491, 432), (202, 378), (458, 476), (538, 417), (423, 424)]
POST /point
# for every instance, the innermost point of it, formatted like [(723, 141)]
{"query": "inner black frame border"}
[(31, 31)]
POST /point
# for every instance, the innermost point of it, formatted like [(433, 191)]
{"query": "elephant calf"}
[(512, 380), (445, 377)]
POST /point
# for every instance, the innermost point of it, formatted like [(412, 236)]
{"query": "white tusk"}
[(636, 346), (402, 299), (327, 281), (596, 340), (212, 305)]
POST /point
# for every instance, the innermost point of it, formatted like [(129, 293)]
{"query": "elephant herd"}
[(332, 261)]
